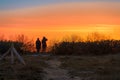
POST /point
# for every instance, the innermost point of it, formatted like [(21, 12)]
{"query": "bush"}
[(87, 48), (5, 45)]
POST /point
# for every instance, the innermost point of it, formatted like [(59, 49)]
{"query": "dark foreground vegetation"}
[(21, 44), (96, 44), (87, 48), (33, 70), (102, 47), (104, 64), (5, 45), (105, 67)]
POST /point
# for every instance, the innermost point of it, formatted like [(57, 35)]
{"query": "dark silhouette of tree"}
[(102, 47), (27, 45)]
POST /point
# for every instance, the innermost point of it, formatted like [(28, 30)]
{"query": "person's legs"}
[(44, 49), (38, 50)]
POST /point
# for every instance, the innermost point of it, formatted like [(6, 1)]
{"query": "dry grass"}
[(93, 68), (33, 70), (86, 67)]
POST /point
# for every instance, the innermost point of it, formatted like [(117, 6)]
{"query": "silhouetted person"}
[(38, 45), (44, 45)]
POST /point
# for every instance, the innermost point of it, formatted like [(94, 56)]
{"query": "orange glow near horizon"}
[(60, 20), (58, 33)]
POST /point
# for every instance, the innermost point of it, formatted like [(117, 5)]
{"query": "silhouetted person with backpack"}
[(44, 45), (38, 45)]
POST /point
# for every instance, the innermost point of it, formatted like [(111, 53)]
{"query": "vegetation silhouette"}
[(5, 45), (21, 44), (87, 48), (94, 45), (94, 67)]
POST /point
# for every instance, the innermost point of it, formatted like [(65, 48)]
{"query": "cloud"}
[(61, 18), (82, 13)]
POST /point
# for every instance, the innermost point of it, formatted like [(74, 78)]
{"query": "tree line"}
[(95, 44), (22, 45), (87, 48)]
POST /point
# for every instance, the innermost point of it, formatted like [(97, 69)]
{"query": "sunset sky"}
[(57, 18)]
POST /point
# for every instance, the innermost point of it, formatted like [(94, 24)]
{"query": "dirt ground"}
[(46, 67)]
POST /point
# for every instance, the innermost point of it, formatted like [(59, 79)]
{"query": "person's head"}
[(37, 38), (43, 37)]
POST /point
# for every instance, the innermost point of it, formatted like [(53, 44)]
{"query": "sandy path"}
[(54, 72)]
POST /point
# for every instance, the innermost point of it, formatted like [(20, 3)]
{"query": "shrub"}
[(87, 48)]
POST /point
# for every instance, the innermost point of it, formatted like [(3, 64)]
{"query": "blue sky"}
[(8, 4), (13, 4)]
